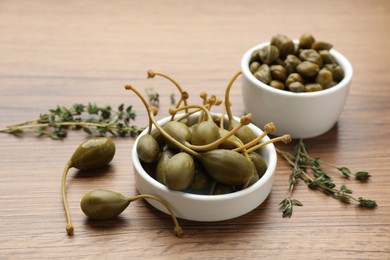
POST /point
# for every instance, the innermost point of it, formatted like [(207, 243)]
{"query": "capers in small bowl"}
[(310, 99), (307, 57), (212, 166)]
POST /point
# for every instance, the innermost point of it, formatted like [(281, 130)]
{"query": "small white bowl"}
[(302, 115), (208, 207)]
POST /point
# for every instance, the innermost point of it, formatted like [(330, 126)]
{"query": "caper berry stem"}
[(184, 94), (284, 138), (69, 225), (268, 128), (227, 95), (177, 229), (152, 112), (173, 111), (129, 87)]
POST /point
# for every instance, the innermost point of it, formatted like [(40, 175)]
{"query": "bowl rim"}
[(271, 167), (341, 59)]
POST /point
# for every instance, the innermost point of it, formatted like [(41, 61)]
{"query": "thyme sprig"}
[(310, 170), (92, 119)]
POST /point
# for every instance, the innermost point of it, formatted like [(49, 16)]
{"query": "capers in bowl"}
[(308, 57)]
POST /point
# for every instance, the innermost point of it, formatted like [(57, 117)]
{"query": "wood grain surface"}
[(65, 52)]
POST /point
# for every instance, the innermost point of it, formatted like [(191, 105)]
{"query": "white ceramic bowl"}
[(208, 207), (302, 115)]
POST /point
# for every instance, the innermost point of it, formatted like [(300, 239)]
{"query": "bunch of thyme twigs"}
[(92, 119), (308, 169)]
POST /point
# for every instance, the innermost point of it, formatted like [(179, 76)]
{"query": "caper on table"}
[(91, 154), (310, 59)]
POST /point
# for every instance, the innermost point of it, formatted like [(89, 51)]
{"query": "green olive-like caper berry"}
[(93, 153), (179, 171), (296, 87), (103, 204), (148, 149), (278, 72), (306, 40)]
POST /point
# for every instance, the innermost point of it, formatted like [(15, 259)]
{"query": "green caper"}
[(148, 149), (306, 40), (179, 171), (259, 162), (93, 153), (294, 77), (178, 131), (166, 154), (291, 63), (268, 54), (263, 74), (337, 71), (204, 133), (221, 188), (308, 69), (254, 66), (103, 204), (312, 56), (202, 182), (227, 166), (277, 84), (321, 45), (324, 78), (284, 44), (312, 87), (327, 57), (278, 72), (296, 86)]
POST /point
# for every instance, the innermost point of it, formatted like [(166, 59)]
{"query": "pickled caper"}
[(263, 74), (308, 69), (312, 56), (324, 78), (312, 87), (277, 84), (306, 40), (179, 171), (227, 166), (148, 149), (284, 44), (204, 133), (268, 54), (296, 86), (221, 188), (278, 72), (294, 77)]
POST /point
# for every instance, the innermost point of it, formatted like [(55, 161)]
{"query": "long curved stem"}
[(168, 137), (69, 225), (227, 94), (284, 138), (129, 87), (177, 229), (268, 128)]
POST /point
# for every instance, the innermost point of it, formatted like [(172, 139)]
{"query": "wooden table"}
[(61, 53)]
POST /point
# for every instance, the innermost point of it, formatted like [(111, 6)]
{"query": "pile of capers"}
[(306, 67), (201, 152)]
